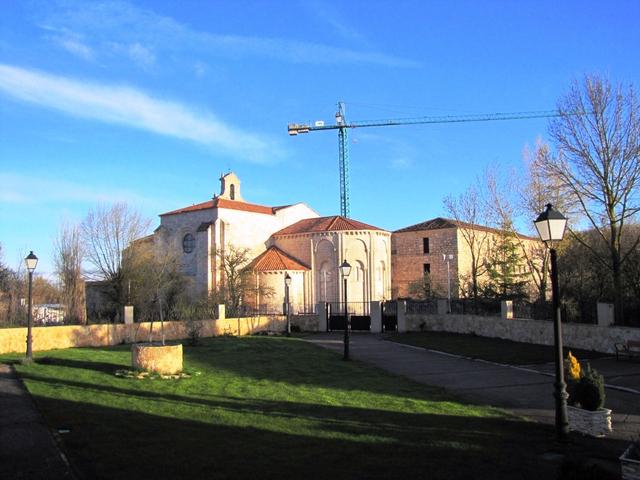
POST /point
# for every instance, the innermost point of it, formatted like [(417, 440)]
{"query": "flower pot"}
[(594, 423), (630, 463), (162, 359)]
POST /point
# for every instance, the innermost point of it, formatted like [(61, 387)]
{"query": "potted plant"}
[(586, 399), (630, 461)]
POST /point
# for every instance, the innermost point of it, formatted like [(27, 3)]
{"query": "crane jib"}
[(342, 125)]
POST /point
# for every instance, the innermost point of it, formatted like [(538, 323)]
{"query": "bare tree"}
[(598, 140), (424, 288), (237, 286), (469, 210), (13, 286), (156, 280), (68, 257), (107, 232), (538, 189)]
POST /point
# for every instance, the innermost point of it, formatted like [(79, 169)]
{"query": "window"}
[(232, 192), (425, 245), (426, 268), (188, 243)]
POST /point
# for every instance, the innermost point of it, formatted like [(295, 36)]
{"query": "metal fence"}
[(354, 308), (424, 307), (532, 310), (486, 307), (580, 312)]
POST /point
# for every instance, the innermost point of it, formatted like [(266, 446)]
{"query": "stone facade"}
[(366, 250), (408, 259), (201, 230), (289, 240), (429, 245)]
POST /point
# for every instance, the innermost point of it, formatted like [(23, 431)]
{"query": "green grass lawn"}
[(272, 408), (490, 349)]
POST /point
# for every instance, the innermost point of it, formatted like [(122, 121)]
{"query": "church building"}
[(283, 240)]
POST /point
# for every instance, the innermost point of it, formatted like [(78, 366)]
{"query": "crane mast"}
[(343, 126)]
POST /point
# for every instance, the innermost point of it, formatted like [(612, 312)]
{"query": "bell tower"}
[(230, 187)]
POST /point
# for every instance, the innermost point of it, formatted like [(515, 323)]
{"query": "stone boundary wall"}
[(306, 322), (67, 336), (575, 335)]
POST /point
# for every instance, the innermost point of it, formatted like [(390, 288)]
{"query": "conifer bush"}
[(584, 386), (591, 389)]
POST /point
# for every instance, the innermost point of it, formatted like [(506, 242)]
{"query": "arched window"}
[(232, 192), (188, 243)]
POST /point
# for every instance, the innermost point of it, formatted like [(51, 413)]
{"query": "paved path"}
[(27, 448), (522, 390)]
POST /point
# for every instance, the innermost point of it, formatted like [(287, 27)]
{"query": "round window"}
[(188, 243)]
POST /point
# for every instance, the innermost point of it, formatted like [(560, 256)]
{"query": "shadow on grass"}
[(290, 361), (114, 443), (105, 367), (487, 348), (362, 421)]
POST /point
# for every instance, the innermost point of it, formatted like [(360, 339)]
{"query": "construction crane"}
[(343, 126)]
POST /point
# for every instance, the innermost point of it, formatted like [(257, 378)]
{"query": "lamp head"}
[(287, 279), (31, 261), (345, 268), (551, 225)]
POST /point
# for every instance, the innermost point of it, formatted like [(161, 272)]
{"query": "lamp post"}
[(448, 258), (345, 269), (30, 261), (287, 284), (551, 225)]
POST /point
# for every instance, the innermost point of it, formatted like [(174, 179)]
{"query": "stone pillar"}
[(321, 309), (221, 312), (128, 314), (506, 309), (402, 316), (442, 306), (605, 314), (376, 317)]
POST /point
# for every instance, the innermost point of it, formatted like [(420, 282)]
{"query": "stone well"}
[(162, 359)]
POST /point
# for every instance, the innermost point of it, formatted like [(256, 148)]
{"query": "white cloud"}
[(401, 163), (51, 190), (75, 47), (133, 108), (104, 21), (200, 69), (330, 15), (141, 55)]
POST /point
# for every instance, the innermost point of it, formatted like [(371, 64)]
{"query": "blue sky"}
[(148, 102)]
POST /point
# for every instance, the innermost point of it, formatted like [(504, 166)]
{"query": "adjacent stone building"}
[(281, 240), (428, 247)]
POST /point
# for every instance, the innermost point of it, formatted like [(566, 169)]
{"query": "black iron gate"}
[(358, 315), (389, 316)]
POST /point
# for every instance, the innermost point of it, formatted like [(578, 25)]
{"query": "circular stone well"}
[(162, 359)]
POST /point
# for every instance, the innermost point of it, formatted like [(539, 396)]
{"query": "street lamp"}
[(551, 225), (345, 269), (287, 284), (448, 258), (30, 261)]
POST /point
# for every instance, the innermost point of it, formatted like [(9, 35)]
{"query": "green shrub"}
[(591, 388), (194, 331), (584, 386)]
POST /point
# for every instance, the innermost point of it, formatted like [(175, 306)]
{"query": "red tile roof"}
[(229, 204), (325, 224), (439, 223), (276, 259)]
